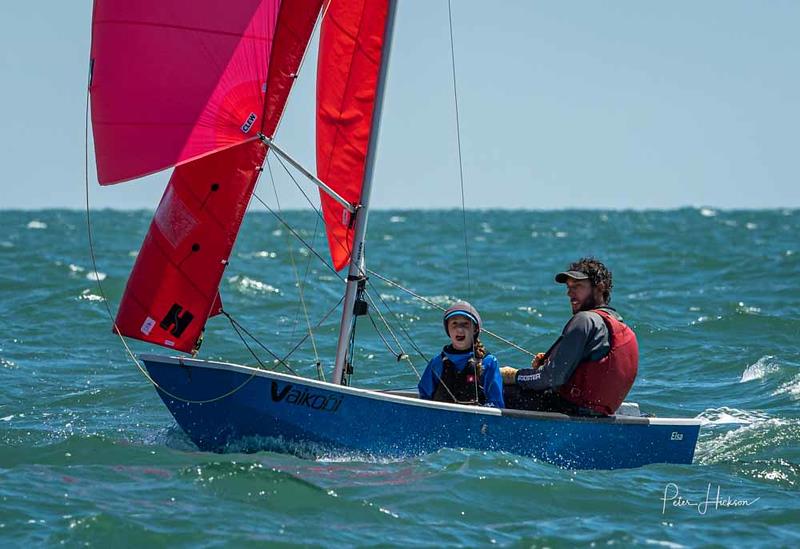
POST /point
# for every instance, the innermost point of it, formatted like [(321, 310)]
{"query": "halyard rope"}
[(458, 141)]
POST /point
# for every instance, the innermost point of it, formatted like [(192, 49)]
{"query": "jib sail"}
[(350, 50)]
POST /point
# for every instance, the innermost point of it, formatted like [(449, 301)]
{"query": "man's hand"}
[(538, 360), (509, 375)]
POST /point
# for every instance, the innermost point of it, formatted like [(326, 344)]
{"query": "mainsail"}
[(350, 50), (189, 83)]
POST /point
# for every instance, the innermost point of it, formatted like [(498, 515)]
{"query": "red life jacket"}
[(602, 385)]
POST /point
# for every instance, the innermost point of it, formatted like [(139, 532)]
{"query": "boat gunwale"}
[(409, 400)]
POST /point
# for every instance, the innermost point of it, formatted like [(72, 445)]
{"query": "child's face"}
[(461, 330)]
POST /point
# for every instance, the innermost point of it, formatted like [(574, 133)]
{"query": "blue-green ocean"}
[(89, 455)]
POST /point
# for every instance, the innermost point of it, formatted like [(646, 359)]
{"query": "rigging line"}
[(299, 188), (397, 355), (300, 238), (324, 318), (399, 322), (339, 242), (341, 245), (458, 140), (255, 356), (320, 372), (403, 354), (251, 336), (300, 284), (128, 350), (437, 306)]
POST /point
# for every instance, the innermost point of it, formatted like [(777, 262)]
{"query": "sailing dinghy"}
[(201, 85)]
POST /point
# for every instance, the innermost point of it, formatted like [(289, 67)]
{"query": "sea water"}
[(90, 455)]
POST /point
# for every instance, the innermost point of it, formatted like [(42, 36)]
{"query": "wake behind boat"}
[(202, 87)]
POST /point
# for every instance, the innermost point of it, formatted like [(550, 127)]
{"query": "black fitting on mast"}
[(360, 307)]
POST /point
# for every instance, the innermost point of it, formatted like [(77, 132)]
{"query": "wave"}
[(730, 416), (247, 285), (760, 369), (791, 388)]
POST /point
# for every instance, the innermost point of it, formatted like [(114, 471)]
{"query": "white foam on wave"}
[(441, 300), (747, 440), (265, 254), (98, 276), (662, 543), (261, 254), (730, 416), (758, 370), (89, 296), (36, 224), (248, 284), (707, 212), (791, 388), (747, 309)]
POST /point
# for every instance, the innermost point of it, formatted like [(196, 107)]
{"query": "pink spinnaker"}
[(189, 83)]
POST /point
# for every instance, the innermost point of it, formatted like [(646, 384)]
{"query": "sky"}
[(580, 104)]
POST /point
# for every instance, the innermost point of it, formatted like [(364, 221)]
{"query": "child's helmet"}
[(462, 308)]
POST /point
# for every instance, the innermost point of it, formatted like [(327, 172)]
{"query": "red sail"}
[(350, 49), (189, 83), (175, 80), (172, 289)]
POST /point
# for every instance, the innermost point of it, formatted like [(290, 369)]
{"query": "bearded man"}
[(592, 365)]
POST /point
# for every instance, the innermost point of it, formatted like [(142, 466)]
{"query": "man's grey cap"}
[(561, 278)]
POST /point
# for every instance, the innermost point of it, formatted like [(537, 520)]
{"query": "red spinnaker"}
[(350, 50), (189, 82)]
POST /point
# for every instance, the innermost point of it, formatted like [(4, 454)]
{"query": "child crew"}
[(464, 372)]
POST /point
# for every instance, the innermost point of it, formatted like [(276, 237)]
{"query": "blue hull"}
[(219, 405)]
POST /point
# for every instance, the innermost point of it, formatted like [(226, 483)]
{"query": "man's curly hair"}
[(597, 273)]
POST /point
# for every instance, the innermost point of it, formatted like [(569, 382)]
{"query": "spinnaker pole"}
[(356, 274)]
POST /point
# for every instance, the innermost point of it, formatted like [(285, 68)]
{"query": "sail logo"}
[(249, 122), (176, 320), (148, 325), (304, 397)]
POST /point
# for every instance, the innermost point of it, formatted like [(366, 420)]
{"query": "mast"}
[(356, 274)]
